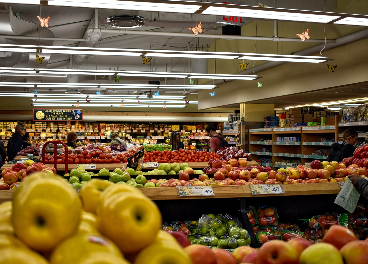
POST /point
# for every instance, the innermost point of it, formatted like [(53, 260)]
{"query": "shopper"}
[(177, 142), (360, 184), (215, 141), (72, 139), (2, 154), (346, 149), (116, 141), (26, 139), (15, 143)]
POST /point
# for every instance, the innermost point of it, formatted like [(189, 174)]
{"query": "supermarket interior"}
[(184, 132)]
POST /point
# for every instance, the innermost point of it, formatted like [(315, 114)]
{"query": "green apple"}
[(172, 172), (191, 238), (214, 241), (215, 224), (159, 183), (243, 234), (121, 182), (118, 171), (248, 240), (210, 232), (140, 179), (203, 230), (183, 166), (234, 232), (75, 172), (194, 241), (74, 179), (134, 184), (232, 243), (125, 176), (138, 185), (231, 223), (149, 185), (114, 177), (130, 171), (222, 243), (104, 172), (220, 232), (86, 177), (241, 242), (77, 185), (211, 216), (204, 241), (175, 167)]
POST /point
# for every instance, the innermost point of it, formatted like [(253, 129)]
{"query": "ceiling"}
[(76, 25)]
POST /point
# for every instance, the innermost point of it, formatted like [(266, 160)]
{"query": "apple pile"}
[(338, 246), (35, 150), (11, 177), (181, 155), (360, 157), (228, 153)]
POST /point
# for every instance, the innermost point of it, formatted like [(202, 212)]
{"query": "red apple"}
[(272, 174), (234, 163), (363, 171), (355, 252), (281, 176), (242, 162), (203, 177), (303, 173), (300, 167), (233, 174), (189, 170), (10, 177), (244, 175), (227, 167), (21, 174), (316, 164), (312, 173), (299, 244), (353, 171), (181, 238), (201, 254), (250, 258), (216, 164), (277, 252), (343, 165), (183, 176), (224, 257), (339, 236), (340, 173), (224, 171), (240, 252), (219, 176), (324, 174)]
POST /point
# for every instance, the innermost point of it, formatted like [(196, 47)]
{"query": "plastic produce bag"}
[(348, 197)]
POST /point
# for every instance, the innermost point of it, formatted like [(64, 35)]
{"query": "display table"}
[(231, 191)]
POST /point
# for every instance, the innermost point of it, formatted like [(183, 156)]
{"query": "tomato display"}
[(181, 155)]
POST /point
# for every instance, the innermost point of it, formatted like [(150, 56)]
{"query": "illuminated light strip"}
[(83, 96), (116, 101), (161, 53), (108, 105)]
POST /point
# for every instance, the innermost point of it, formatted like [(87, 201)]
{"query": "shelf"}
[(360, 135), (231, 191), (311, 128), (261, 133), (314, 157), (287, 129), (261, 130), (290, 155), (287, 143), (260, 143), (232, 143), (346, 124), (227, 132), (282, 166), (318, 143), (267, 164), (261, 153), (286, 132), (318, 131)]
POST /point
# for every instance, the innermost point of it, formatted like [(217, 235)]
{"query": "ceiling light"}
[(106, 105), (95, 100), (354, 21), (160, 53)]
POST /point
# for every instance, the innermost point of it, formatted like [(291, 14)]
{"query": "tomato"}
[(88, 156), (79, 156), (85, 152), (109, 156), (101, 160), (76, 161), (88, 161), (70, 161), (60, 161), (93, 153), (98, 152), (82, 160), (102, 156)]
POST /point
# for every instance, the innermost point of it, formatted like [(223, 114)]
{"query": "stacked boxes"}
[(271, 121)]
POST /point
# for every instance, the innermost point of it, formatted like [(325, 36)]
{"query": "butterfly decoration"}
[(164, 106), (117, 78), (186, 102), (243, 66), (44, 21), (88, 100), (98, 93), (260, 85), (139, 102), (35, 92), (197, 29), (146, 60), (331, 68), (212, 94), (77, 106), (304, 35), (79, 111), (35, 100), (191, 81), (39, 59), (262, 5), (121, 105), (157, 94)]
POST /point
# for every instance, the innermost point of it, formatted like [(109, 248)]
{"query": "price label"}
[(88, 166), (143, 131), (150, 165), (128, 131), (102, 137), (195, 191), (261, 189)]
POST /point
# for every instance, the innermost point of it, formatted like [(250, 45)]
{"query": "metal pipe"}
[(39, 38), (187, 35)]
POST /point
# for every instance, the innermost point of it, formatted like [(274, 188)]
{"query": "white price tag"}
[(143, 131), (88, 166), (134, 131), (313, 143), (152, 131), (208, 192), (259, 189), (128, 131)]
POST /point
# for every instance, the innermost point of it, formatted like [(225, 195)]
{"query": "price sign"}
[(88, 166), (150, 165), (143, 131), (261, 189), (195, 191)]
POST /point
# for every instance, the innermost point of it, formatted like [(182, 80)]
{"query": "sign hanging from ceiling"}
[(57, 114)]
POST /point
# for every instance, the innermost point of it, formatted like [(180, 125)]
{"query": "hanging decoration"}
[(146, 60), (88, 100), (44, 21), (304, 35), (191, 81), (35, 92), (212, 94), (164, 106), (116, 77), (157, 94), (77, 104), (98, 93), (198, 29), (331, 68), (260, 85), (262, 5), (243, 66), (139, 102), (39, 59), (186, 102)]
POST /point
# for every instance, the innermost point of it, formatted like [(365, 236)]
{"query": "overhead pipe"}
[(41, 38)]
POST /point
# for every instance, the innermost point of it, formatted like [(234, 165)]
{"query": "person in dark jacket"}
[(72, 139), (26, 138), (15, 143), (177, 142), (2, 153), (360, 184), (346, 149)]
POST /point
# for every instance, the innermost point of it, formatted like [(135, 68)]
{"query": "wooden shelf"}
[(349, 124), (233, 191), (318, 131), (261, 133), (260, 143), (287, 143), (326, 144), (287, 132)]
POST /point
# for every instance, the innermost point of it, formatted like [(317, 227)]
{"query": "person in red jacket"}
[(215, 141)]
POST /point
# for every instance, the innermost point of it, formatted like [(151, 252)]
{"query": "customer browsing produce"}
[(15, 143)]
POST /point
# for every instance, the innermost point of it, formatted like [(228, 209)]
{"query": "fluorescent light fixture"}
[(160, 53), (334, 108), (108, 105), (96, 100), (353, 21)]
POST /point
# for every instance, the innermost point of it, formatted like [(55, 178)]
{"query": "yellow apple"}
[(90, 193), (116, 189), (165, 236), (6, 226), (163, 252), (321, 253), (86, 227), (10, 241), (17, 255), (45, 212), (89, 218), (130, 220), (78, 248)]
